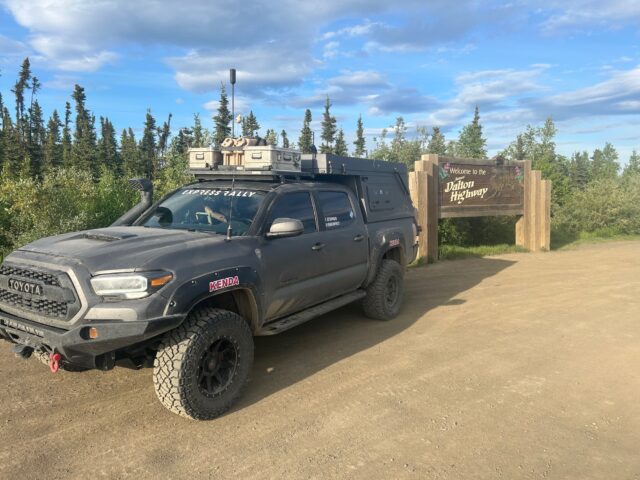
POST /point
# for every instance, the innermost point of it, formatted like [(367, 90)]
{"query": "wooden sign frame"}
[(533, 228)]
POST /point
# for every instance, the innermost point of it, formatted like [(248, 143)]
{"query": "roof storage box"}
[(203, 158), (269, 157)]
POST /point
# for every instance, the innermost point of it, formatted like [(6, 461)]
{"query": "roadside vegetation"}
[(70, 172)]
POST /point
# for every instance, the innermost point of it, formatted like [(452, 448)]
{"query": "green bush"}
[(70, 199), (65, 200), (609, 205)]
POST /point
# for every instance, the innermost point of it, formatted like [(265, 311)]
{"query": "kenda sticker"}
[(223, 283)]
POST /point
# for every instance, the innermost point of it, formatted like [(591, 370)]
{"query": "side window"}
[(295, 205), (337, 209)]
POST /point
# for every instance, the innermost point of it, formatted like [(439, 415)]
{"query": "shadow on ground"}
[(292, 356)]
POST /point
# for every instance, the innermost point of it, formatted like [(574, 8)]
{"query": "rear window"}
[(337, 209)]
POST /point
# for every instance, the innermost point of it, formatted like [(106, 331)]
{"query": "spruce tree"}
[(148, 157), (437, 143), (610, 161), (399, 139), (13, 150), (35, 86), (605, 163), (164, 133), (21, 85), (271, 138), (329, 128), (452, 148), (359, 141), (285, 139), (305, 141), (340, 147), (83, 151), (633, 166), (36, 140), (129, 153), (52, 145), (222, 129), (198, 132), (108, 155), (182, 141), (2, 141), (580, 170), (66, 136), (250, 125), (471, 143)]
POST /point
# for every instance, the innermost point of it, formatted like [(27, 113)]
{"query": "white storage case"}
[(269, 157)]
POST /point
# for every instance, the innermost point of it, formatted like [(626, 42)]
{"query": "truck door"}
[(292, 266), (346, 251)]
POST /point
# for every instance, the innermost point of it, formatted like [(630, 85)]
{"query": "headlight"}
[(128, 286)]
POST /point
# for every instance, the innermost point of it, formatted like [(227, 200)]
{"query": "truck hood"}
[(116, 248)]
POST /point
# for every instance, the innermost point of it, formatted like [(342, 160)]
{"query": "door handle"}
[(317, 247), (358, 238)]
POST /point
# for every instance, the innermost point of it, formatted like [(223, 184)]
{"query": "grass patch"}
[(454, 252), (600, 236)]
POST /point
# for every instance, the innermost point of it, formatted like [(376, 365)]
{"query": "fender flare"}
[(385, 241), (244, 280)]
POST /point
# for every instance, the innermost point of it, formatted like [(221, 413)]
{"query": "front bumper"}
[(74, 345)]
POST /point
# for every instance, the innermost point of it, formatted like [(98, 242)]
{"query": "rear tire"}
[(385, 293), (202, 366)]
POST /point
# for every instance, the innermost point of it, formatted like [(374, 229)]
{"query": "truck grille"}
[(49, 308), (56, 298), (46, 278)]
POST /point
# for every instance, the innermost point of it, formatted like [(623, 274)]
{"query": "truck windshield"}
[(207, 210)]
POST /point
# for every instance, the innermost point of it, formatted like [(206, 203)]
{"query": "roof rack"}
[(249, 158)]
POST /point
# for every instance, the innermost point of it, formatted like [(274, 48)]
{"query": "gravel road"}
[(514, 366)]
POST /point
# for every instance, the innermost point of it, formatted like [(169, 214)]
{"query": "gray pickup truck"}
[(184, 284)]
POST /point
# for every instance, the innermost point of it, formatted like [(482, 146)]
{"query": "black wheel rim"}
[(217, 367), (391, 292)]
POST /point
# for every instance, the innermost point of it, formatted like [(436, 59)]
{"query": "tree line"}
[(75, 167)]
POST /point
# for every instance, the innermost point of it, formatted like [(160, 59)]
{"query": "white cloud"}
[(620, 94), (61, 82), (10, 47), (331, 49), (257, 69), (273, 42), (357, 30), (577, 14), (494, 86)]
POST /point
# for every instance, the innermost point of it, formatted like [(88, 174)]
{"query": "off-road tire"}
[(43, 357), (177, 368), (381, 303)]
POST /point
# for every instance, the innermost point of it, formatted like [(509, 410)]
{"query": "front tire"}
[(202, 366), (385, 293)]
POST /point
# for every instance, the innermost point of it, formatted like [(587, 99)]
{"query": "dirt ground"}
[(516, 366)]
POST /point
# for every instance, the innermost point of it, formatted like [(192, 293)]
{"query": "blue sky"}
[(430, 62)]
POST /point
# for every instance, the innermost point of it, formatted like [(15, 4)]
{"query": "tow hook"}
[(54, 362)]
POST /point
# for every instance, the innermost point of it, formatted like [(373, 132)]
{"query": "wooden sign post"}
[(446, 187)]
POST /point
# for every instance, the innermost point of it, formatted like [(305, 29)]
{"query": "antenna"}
[(232, 79), (229, 230)]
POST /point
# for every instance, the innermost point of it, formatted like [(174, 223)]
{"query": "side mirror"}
[(285, 227)]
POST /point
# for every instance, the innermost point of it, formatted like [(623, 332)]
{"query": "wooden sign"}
[(444, 187), (473, 189)]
